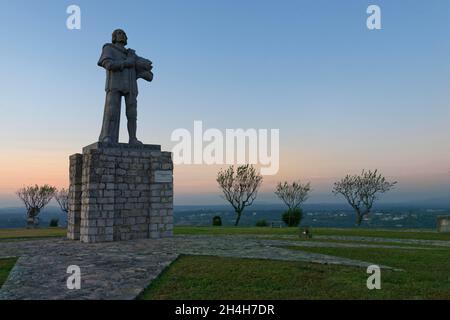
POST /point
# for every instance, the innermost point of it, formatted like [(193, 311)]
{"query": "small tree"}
[(239, 186), (361, 191), (62, 197), (293, 195), (35, 198)]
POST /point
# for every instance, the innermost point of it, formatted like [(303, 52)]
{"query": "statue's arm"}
[(143, 64), (111, 65), (106, 60), (144, 60)]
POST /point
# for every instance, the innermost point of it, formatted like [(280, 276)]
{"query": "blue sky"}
[(343, 97)]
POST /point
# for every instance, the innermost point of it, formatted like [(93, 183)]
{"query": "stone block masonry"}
[(120, 192)]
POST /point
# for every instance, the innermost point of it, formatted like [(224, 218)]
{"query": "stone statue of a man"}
[(123, 68)]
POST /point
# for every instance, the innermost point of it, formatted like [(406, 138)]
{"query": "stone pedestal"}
[(120, 192)]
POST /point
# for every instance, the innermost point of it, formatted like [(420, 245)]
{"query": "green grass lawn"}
[(426, 272), (24, 234), (426, 275), (204, 277), (5, 267)]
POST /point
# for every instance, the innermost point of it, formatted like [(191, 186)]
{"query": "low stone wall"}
[(120, 193), (443, 224)]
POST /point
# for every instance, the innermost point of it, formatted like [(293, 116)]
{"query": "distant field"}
[(24, 234)]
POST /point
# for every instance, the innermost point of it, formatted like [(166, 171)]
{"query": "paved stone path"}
[(437, 243), (121, 270), (373, 240)]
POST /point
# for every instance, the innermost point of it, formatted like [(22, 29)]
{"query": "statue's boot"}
[(108, 140), (132, 132), (135, 141)]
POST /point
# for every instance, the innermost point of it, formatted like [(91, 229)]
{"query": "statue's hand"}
[(129, 63)]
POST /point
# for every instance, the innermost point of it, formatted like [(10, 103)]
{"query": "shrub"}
[(217, 221), (54, 222), (262, 223), (292, 217)]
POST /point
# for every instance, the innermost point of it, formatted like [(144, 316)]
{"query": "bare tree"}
[(239, 186), (62, 197), (293, 195), (361, 191), (35, 198)]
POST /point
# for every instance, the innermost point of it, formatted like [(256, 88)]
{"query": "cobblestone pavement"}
[(121, 270), (437, 243)]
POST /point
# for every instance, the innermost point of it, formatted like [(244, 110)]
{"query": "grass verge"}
[(24, 234), (426, 272), (5, 267)]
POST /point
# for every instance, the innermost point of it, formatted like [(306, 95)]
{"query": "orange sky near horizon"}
[(321, 168)]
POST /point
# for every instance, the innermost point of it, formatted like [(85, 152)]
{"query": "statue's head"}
[(119, 36)]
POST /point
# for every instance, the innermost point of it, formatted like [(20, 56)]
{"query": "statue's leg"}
[(116, 120), (131, 112), (111, 118)]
